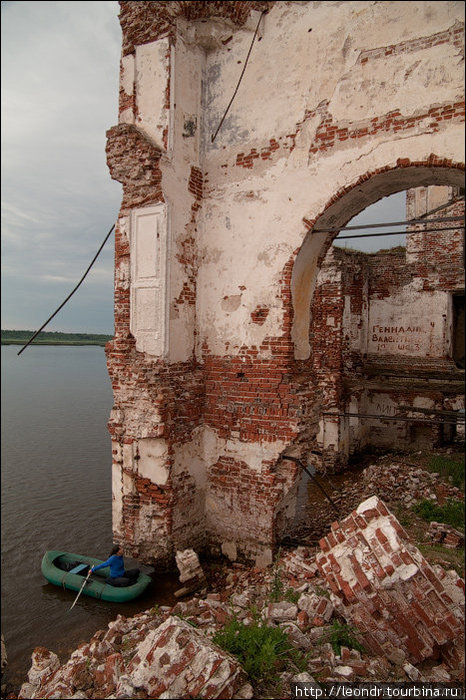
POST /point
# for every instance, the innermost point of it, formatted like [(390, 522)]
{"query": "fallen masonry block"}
[(301, 563), (179, 661), (279, 612), (388, 591), (318, 608), (44, 665), (191, 572)]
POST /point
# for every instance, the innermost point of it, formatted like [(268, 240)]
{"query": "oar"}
[(81, 589)]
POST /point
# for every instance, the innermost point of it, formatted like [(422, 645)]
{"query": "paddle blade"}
[(80, 591)]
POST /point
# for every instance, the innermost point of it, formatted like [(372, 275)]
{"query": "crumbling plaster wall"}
[(329, 117)]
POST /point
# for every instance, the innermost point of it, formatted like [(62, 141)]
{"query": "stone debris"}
[(382, 584), (191, 572), (174, 660), (279, 612), (181, 661), (441, 533), (366, 573), (318, 608), (395, 482)]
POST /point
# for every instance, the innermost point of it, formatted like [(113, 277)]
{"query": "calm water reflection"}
[(56, 494)]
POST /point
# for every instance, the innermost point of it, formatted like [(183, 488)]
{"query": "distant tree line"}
[(14, 337)]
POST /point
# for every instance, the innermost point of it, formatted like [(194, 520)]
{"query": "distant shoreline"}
[(14, 337), (55, 342)]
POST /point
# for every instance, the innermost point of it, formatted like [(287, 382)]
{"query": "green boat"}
[(70, 570)]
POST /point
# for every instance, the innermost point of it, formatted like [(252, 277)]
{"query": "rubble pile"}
[(441, 533), (399, 482), (366, 575), (395, 482)]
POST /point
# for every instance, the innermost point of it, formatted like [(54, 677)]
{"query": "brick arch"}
[(340, 208)]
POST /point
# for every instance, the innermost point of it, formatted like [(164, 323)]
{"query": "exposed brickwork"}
[(454, 35), (331, 135), (247, 501), (145, 21), (438, 258), (387, 589), (134, 161), (259, 315), (433, 161), (247, 161), (158, 384)]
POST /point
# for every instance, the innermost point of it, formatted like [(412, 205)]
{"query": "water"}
[(56, 494)]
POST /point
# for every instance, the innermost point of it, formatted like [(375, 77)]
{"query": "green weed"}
[(342, 635), (451, 512), (448, 558), (291, 595), (322, 591), (261, 650), (277, 588), (449, 467)]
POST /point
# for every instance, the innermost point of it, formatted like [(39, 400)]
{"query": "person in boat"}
[(119, 576)]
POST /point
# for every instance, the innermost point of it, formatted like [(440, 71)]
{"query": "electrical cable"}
[(398, 233), (69, 295), (214, 136), (410, 222)]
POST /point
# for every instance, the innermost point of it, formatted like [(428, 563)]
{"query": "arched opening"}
[(383, 327), (340, 209)]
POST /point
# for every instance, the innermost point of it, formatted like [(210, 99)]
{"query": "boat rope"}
[(69, 295)]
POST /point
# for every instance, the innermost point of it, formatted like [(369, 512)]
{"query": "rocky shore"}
[(362, 604)]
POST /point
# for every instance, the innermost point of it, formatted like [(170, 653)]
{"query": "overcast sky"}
[(60, 66)]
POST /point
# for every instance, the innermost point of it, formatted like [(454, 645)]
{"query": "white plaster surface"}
[(151, 75), (153, 453), (409, 323)]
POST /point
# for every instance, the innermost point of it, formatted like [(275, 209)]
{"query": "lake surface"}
[(56, 494)]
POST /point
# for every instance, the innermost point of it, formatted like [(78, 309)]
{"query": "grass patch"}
[(291, 595), (260, 650), (342, 635), (449, 467), (451, 512), (404, 516)]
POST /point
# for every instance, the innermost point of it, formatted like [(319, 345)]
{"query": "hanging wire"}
[(398, 233), (69, 295), (214, 136), (409, 222)]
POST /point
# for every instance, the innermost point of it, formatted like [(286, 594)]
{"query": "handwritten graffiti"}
[(405, 338)]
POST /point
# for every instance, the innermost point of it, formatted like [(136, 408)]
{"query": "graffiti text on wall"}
[(405, 338)]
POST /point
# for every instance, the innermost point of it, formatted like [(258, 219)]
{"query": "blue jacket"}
[(117, 567)]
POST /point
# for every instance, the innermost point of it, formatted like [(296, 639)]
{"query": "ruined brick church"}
[(249, 134)]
